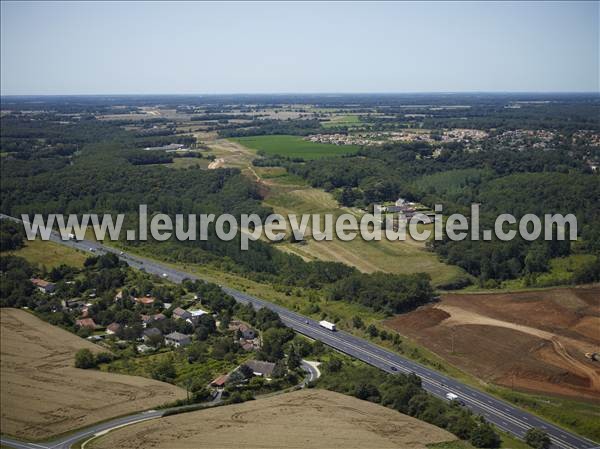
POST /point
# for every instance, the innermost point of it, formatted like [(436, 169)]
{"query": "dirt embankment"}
[(306, 419), (534, 340), (43, 394)]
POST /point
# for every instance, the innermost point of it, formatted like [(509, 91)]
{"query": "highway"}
[(502, 414)]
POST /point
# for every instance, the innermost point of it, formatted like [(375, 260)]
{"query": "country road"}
[(505, 416), (94, 430)]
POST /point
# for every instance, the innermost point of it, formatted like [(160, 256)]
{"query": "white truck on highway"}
[(327, 325), (451, 396)]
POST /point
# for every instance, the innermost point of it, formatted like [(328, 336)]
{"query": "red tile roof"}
[(145, 300), (220, 381), (113, 327), (86, 322)]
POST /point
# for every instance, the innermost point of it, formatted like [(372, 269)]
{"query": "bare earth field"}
[(304, 419), (534, 341), (42, 394)]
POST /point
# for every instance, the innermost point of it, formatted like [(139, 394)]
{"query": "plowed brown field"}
[(535, 341)]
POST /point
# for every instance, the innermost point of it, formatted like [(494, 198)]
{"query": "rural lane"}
[(99, 429)]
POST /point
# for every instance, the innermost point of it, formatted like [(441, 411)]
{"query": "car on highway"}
[(393, 368)]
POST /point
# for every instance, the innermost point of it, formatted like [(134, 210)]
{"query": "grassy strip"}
[(580, 417)]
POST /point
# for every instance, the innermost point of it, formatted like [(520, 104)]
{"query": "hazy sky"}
[(120, 48)]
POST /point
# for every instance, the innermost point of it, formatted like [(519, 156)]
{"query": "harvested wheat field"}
[(43, 394), (534, 341), (304, 419)]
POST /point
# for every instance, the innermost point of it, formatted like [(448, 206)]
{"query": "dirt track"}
[(303, 419), (530, 340), (42, 394)]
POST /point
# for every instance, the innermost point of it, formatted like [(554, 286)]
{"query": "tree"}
[(357, 322), (537, 438), (347, 197), (537, 258), (195, 352), (485, 436), (367, 391), (103, 357), (246, 371), (273, 340), (372, 331), (318, 347), (293, 360), (156, 340), (279, 370), (84, 359), (333, 365), (164, 370), (461, 425)]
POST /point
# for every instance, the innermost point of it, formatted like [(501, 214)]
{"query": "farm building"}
[(180, 314), (88, 323), (260, 368), (43, 286), (113, 328), (150, 333), (177, 339)]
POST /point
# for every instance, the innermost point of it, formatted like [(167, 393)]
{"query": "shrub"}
[(537, 438), (84, 359)]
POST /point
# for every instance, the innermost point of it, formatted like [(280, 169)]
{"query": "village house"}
[(149, 319), (260, 368), (43, 286), (177, 339), (250, 345), (195, 316), (87, 323), (72, 304), (146, 320), (247, 333), (142, 348), (145, 300), (151, 333), (113, 328), (180, 314), (220, 381)]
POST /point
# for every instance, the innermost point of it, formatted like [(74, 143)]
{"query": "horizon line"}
[(432, 92)]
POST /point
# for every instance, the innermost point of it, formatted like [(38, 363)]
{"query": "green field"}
[(341, 120), (187, 162), (294, 146), (50, 254)]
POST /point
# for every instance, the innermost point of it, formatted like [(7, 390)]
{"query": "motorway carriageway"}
[(502, 414)]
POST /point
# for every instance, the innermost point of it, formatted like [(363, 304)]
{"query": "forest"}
[(83, 164), (108, 175), (501, 180)]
